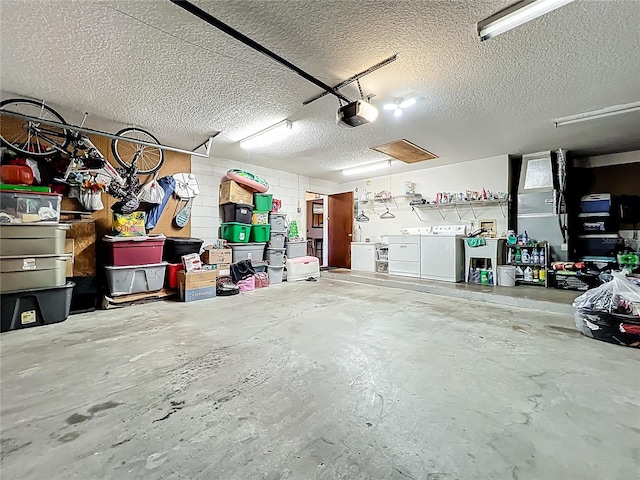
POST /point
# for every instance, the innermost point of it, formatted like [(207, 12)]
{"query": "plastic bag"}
[(131, 225), (617, 296), (151, 192), (90, 200)]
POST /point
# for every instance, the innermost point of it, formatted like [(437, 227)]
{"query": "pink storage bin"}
[(134, 250)]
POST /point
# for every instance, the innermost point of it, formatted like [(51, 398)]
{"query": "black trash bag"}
[(610, 312), (242, 270)]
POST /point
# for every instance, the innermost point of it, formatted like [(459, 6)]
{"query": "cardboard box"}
[(197, 285), (69, 247), (214, 256), (232, 192)]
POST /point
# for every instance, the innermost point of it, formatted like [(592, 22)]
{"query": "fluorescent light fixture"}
[(407, 103), (397, 112), (601, 113), (267, 136), (516, 15), (371, 167)]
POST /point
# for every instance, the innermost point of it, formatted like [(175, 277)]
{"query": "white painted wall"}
[(489, 173), (288, 187)]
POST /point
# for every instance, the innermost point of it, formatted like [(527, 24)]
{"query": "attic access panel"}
[(405, 151)]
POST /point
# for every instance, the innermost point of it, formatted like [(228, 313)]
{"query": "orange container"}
[(16, 175)]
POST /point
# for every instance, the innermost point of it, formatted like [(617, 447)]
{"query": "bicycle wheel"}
[(29, 137), (146, 159)]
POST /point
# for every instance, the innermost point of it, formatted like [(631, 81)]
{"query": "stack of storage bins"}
[(247, 241), (599, 238), (136, 264), (33, 286), (276, 249)]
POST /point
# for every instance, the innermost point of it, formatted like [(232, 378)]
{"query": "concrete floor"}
[(326, 380)]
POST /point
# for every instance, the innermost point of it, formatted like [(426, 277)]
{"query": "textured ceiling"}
[(152, 64)]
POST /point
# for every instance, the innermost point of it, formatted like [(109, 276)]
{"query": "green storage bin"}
[(260, 233), (235, 232), (262, 202)]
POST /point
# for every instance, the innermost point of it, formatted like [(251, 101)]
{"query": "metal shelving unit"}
[(540, 266), (382, 258), (441, 207)]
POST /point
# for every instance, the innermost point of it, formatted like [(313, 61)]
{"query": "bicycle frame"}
[(79, 142)]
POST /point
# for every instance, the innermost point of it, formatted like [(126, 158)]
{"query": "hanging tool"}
[(186, 190)]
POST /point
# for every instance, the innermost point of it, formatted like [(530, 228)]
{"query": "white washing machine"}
[(442, 253), (404, 255)]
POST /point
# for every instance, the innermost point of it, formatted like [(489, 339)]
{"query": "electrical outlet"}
[(564, 247), (299, 210)]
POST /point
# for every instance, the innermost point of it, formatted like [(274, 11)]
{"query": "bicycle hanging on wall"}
[(44, 133)]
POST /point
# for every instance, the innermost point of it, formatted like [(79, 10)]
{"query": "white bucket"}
[(506, 275)]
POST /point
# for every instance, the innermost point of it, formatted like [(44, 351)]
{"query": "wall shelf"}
[(458, 206)]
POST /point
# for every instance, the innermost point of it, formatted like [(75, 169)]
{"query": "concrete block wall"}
[(288, 187)]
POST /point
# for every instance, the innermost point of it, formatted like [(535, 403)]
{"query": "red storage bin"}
[(134, 251), (172, 274)]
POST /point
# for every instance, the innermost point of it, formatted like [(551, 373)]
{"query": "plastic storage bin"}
[(278, 222), (237, 212), (260, 233), (275, 256), (296, 249), (260, 218), (247, 251), (596, 203), (134, 250), (176, 247), (275, 274), (172, 274), (136, 278), (235, 232), (30, 207), (595, 222), (32, 239), (30, 308), (262, 201), (302, 268), (277, 239), (36, 271)]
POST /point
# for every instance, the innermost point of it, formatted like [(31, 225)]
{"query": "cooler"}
[(596, 203)]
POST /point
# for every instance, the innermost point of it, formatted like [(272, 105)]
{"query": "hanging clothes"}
[(168, 184)]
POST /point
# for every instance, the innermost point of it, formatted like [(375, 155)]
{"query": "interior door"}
[(340, 221)]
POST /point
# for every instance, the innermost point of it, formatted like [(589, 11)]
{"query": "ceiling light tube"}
[(371, 167), (601, 113), (516, 15), (268, 135)]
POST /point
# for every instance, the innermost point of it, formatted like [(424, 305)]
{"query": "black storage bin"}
[(39, 306), (176, 247), (237, 212)]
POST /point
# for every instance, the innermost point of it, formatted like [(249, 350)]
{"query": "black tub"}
[(38, 306), (176, 247)]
